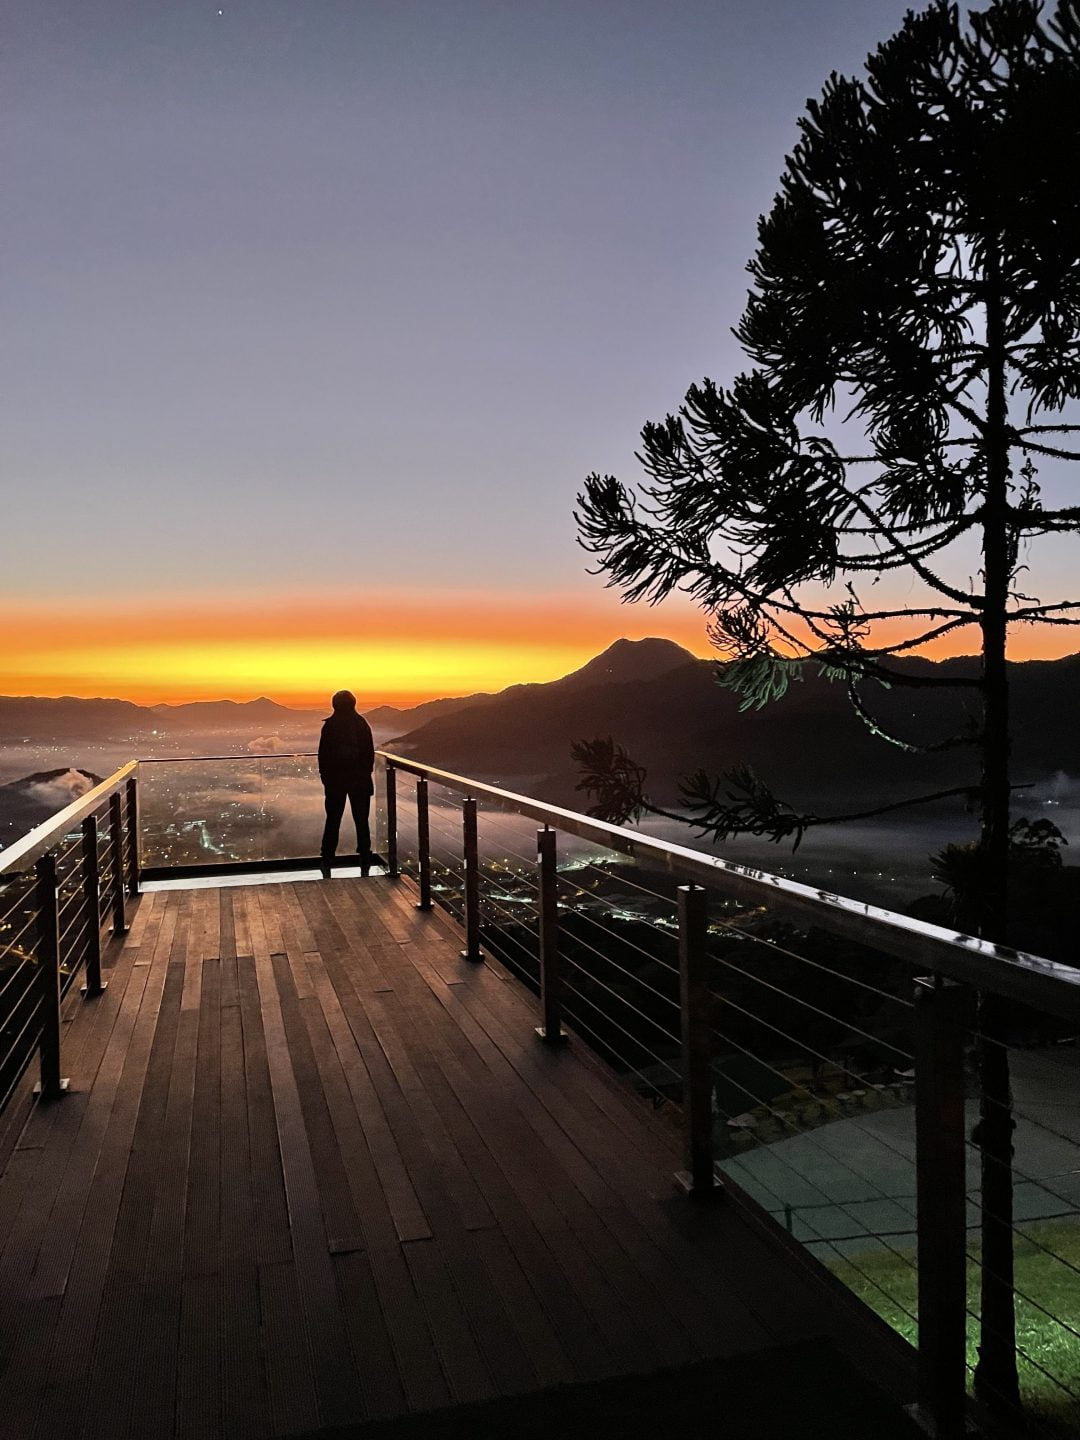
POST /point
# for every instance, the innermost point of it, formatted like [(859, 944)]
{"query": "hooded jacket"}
[(346, 747)]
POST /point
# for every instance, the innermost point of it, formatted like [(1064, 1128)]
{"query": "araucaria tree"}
[(913, 332)]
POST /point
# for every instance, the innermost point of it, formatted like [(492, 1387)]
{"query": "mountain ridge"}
[(810, 745)]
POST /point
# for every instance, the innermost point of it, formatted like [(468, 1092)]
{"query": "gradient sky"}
[(316, 312)]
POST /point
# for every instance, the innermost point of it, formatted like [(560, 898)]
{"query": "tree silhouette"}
[(913, 334)]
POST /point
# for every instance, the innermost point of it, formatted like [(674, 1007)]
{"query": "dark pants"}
[(359, 798)]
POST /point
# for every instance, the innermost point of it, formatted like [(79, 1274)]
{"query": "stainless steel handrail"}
[(243, 755), (1030, 979), (57, 826)]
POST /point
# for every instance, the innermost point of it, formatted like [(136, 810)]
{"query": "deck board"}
[(316, 1170)]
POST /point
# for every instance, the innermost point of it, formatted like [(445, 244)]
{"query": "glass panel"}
[(202, 812), (378, 808), (292, 809)]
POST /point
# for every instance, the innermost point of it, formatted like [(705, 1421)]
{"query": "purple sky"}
[(313, 294)]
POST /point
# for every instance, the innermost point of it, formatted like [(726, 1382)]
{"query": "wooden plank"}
[(443, 1282), (267, 898), (273, 1244), (635, 1118), (297, 932), (374, 1354), (618, 1296), (241, 933), (199, 1380), (202, 1210), (400, 1313), (294, 1403), (142, 910), (332, 939), (293, 949), (409, 1218), (466, 1372), (226, 927), (582, 1144), (424, 1142), (519, 1184), (83, 1048), (69, 1365), (339, 1399), (59, 1180), (255, 925), (22, 1378), (388, 1025), (117, 1335), (340, 1220), (245, 1387), (547, 1311), (549, 1362), (155, 1378), (61, 1227), (199, 1358)]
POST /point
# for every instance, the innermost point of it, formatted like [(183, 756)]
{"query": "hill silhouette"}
[(810, 745), (39, 718), (622, 661), (230, 714)]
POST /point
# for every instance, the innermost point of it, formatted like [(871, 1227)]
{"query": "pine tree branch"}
[(923, 572), (953, 742)]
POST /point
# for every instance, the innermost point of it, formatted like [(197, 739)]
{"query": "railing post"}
[(391, 822), (471, 849), (116, 835), (92, 899), (695, 1003), (941, 1203), (423, 842), (551, 1030), (133, 836), (51, 1086)]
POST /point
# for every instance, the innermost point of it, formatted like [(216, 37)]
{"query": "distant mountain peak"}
[(626, 660)]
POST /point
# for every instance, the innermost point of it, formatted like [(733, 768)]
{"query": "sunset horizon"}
[(397, 650)]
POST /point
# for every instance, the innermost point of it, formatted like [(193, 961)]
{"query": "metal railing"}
[(826, 1061), (63, 886)]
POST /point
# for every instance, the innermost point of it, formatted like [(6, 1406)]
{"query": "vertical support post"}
[(116, 835), (695, 1002), (51, 1086), (423, 842), (391, 822), (471, 850), (133, 836), (551, 1031), (92, 900), (941, 1203)]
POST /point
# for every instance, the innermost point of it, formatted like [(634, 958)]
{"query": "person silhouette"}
[(346, 762)]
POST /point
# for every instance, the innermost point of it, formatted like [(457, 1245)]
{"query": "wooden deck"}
[(316, 1169)]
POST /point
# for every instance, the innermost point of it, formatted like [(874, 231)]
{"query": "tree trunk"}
[(995, 1372)]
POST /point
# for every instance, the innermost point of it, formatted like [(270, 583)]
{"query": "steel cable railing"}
[(824, 1080), (60, 888)]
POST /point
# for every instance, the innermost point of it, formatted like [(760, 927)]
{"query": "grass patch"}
[(1047, 1310)]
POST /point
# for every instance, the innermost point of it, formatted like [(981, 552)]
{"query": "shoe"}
[(324, 867), (375, 859)]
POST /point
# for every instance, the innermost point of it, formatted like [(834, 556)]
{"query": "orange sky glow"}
[(391, 649)]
